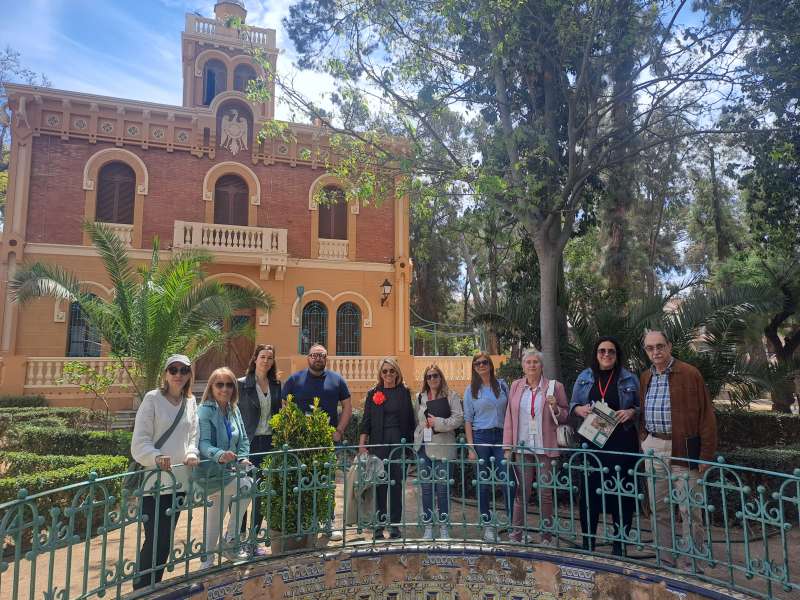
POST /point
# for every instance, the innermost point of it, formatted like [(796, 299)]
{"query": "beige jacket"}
[(442, 444)]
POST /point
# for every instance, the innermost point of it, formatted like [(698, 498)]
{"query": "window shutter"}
[(116, 193)]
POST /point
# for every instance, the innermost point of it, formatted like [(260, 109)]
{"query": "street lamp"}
[(386, 289), (300, 291)]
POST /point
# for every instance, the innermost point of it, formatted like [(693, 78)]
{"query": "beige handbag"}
[(565, 434)]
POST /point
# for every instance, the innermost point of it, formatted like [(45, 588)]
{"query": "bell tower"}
[(218, 57)]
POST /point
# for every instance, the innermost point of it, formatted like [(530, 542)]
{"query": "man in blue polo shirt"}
[(328, 386)]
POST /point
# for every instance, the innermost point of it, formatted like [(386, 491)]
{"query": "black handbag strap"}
[(165, 436)]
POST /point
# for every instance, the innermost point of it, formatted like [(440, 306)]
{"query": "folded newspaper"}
[(599, 424)]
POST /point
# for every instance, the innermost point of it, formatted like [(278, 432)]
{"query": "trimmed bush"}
[(756, 429), (25, 463), (20, 401), (74, 416), (59, 440)]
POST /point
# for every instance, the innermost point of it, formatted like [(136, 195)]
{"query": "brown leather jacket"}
[(692, 410)]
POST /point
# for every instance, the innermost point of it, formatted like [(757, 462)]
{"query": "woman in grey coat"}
[(439, 414)]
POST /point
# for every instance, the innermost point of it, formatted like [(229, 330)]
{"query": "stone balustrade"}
[(46, 372), (333, 249)]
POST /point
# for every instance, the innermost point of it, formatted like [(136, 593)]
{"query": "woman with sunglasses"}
[(439, 414), (223, 441), (609, 381), (259, 399), (388, 419), (171, 409), (485, 402)]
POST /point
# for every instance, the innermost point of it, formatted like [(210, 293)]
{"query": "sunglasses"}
[(318, 356), (184, 370), (608, 351), (481, 363), (388, 371), (224, 385), (432, 376)]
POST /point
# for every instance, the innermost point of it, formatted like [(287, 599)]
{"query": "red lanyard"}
[(603, 390)]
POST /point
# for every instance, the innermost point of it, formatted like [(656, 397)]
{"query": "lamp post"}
[(300, 291)]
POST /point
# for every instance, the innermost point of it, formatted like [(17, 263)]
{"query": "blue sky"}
[(121, 48)]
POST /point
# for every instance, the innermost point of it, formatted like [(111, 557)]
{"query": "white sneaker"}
[(336, 535), (490, 535), (444, 533), (428, 533)]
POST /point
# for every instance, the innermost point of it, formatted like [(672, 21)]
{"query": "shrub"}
[(297, 430), (509, 370), (756, 429), (24, 463), (59, 440), (351, 434), (75, 416), (20, 401), (53, 481)]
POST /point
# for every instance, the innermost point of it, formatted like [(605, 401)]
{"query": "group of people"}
[(511, 432)]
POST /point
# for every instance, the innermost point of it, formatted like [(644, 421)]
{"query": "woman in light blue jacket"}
[(224, 445)]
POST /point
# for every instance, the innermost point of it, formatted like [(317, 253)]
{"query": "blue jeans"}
[(438, 471), (488, 444)]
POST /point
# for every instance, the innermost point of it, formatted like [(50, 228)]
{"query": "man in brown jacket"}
[(676, 421)]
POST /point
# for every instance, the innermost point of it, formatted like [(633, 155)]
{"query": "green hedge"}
[(60, 440), (16, 464), (20, 401), (756, 429)]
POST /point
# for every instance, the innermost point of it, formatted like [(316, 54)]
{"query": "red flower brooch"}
[(378, 398)]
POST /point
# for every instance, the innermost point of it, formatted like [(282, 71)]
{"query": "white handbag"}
[(565, 434)]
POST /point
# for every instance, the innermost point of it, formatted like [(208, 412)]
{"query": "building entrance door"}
[(235, 354)]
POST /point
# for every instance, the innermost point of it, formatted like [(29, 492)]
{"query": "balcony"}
[(333, 249), (236, 244), (215, 31)]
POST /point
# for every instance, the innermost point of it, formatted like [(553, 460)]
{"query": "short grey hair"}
[(532, 352), (659, 331)]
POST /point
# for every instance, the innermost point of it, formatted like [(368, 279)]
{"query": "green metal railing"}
[(739, 527)]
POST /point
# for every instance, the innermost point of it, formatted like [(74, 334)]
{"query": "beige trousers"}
[(669, 484)]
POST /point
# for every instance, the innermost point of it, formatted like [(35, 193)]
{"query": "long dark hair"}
[(444, 391), (272, 374), (477, 382), (620, 355)]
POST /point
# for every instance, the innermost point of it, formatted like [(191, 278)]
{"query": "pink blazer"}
[(511, 426)]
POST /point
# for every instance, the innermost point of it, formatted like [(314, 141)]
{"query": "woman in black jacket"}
[(259, 399), (388, 418)]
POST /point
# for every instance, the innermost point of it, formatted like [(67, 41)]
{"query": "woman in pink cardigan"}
[(530, 433)]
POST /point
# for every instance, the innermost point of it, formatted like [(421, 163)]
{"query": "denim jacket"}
[(628, 386), (210, 474)]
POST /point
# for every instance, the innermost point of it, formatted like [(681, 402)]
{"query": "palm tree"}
[(159, 308)]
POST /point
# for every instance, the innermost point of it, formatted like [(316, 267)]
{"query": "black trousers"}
[(394, 490), (592, 503), (259, 443), (158, 537)]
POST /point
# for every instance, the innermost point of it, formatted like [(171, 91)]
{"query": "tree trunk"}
[(549, 257), (723, 245)]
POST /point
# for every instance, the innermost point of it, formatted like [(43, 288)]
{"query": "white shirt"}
[(154, 416), (265, 400), (530, 429)]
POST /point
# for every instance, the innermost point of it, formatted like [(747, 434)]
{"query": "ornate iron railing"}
[(85, 540)]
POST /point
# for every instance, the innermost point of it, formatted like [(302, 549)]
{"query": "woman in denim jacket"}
[(609, 381), (224, 446)]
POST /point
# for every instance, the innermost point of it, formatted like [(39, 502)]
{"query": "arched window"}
[(83, 339), (241, 75), (230, 200), (333, 215), (348, 330), (314, 326), (116, 191), (215, 79)]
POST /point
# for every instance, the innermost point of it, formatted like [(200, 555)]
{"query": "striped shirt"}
[(657, 407)]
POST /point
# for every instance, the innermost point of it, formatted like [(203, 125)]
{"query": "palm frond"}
[(40, 280)]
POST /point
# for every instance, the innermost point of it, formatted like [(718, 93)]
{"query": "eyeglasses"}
[(659, 347), (318, 356), (388, 371), (432, 376), (608, 351), (184, 370), (481, 363), (224, 385)]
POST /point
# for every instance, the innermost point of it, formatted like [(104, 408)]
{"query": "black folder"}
[(440, 407)]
